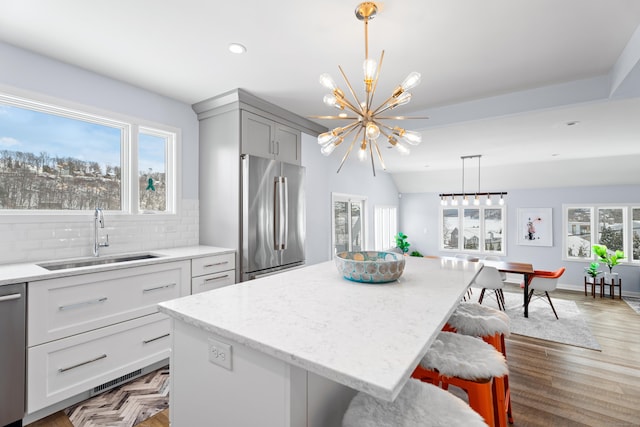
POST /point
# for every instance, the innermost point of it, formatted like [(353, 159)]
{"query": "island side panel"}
[(258, 390), (327, 401)]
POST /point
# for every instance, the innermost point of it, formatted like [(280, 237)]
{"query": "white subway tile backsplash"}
[(32, 240)]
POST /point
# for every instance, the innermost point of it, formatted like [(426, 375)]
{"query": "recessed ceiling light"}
[(572, 123), (555, 154), (237, 48)]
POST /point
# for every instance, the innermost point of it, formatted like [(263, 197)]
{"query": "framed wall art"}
[(535, 227)]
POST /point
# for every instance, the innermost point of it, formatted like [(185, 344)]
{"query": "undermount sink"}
[(86, 262)]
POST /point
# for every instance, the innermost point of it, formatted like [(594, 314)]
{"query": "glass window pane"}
[(450, 229), (635, 216), (471, 221), (356, 226), (611, 228), (578, 232), (50, 161), (341, 224), (152, 179), (493, 228), (385, 227)]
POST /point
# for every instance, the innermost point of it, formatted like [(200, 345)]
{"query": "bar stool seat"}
[(468, 363), (492, 326), (418, 405)]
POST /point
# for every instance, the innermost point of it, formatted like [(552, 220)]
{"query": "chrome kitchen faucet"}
[(98, 218)]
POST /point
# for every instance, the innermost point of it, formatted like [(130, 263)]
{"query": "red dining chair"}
[(544, 281)]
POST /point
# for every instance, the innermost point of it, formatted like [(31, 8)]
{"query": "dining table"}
[(518, 268)]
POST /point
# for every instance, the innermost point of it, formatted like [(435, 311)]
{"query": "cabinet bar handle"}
[(157, 288), (10, 297), (155, 339), (82, 304), (104, 356), (217, 263), (211, 279)]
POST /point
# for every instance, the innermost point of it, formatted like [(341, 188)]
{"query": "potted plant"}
[(608, 257), (593, 271), (401, 242)]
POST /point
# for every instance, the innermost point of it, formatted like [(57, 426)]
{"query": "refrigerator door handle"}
[(280, 212)]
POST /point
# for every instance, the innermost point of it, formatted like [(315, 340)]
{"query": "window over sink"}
[(59, 159)]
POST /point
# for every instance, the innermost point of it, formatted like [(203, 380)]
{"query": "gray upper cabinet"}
[(266, 138)]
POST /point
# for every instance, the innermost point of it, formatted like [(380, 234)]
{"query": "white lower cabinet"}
[(65, 306), (63, 368), (212, 272), (86, 330)]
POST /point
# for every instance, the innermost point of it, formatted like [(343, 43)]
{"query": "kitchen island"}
[(292, 349)]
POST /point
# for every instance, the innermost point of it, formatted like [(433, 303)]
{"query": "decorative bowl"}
[(370, 266)]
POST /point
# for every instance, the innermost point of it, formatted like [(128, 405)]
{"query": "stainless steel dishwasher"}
[(13, 305)]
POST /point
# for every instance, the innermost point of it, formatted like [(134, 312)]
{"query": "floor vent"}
[(113, 383)]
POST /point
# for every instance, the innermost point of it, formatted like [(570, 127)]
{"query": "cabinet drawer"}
[(212, 281), (66, 306), (66, 367), (213, 264)]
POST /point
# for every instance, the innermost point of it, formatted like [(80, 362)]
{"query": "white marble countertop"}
[(27, 272), (367, 337)]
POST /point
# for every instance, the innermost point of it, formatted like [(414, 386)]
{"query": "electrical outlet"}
[(220, 353)]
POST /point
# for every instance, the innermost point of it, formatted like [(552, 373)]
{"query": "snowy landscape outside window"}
[(615, 226), (53, 158), (479, 230)]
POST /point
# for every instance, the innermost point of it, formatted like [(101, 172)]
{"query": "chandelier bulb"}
[(369, 66), (362, 152), (476, 201), (501, 201), (327, 81), (411, 81), (454, 201), (443, 200), (465, 201), (328, 149), (489, 201), (332, 101), (401, 100), (372, 131)]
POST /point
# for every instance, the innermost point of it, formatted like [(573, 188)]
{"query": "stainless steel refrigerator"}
[(273, 216)]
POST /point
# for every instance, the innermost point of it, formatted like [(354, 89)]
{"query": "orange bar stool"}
[(418, 405), (492, 326), (466, 362)]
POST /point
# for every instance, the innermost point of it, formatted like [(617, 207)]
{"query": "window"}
[(482, 229), (386, 227), (56, 159), (348, 222), (585, 226), (153, 149)]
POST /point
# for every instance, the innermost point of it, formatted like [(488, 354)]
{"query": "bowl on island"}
[(370, 266)]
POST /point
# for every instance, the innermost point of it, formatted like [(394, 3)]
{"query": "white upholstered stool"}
[(418, 405), (466, 362), (492, 326)]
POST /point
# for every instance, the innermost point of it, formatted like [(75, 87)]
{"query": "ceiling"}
[(501, 78)]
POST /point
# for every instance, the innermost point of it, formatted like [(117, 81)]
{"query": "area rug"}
[(633, 302), (124, 406), (571, 327)]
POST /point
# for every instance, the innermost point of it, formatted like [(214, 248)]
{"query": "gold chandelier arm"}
[(333, 117), (384, 106), (351, 90), (355, 138), (373, 165), (379, 155), (402, 117)]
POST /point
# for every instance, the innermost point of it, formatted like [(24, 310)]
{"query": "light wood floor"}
[(554, 384)]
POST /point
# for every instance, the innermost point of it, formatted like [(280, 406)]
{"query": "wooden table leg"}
[(526, 295)]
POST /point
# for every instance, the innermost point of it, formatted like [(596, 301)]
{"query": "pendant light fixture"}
[(466, 198), (367, 119)]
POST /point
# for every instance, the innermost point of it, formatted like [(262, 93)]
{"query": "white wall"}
[(419, 219), (322, 180), (35, 238)]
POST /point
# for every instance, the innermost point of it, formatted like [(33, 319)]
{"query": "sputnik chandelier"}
[(368, 122)]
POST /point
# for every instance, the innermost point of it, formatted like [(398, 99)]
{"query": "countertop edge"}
[(31, 271)]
